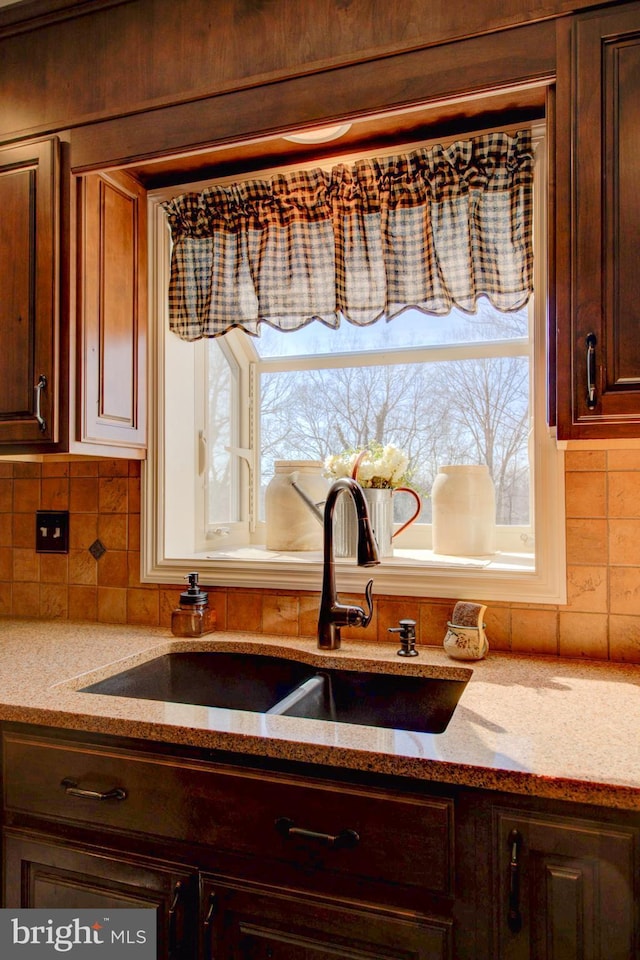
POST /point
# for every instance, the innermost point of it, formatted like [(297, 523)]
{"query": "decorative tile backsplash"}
[(601, 618)]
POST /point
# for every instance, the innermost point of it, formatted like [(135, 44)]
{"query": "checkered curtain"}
[(433, 229)]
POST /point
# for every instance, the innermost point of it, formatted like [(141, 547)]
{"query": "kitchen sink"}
[(284, 687), (237, 681), (422, 704)]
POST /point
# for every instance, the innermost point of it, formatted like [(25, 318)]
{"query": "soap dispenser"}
[(194, 617)]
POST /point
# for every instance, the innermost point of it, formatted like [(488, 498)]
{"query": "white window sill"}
[(415, 558), (510, 577)]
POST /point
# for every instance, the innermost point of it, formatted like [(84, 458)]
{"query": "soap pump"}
[(194, 617)]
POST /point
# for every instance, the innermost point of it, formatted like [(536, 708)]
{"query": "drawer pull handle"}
[(344, 840), (72, 789), (514, 917)]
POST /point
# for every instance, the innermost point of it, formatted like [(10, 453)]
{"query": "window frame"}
[(546, 583), (418, 535)]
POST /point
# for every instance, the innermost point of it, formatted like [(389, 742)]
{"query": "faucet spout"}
[(333, 614)]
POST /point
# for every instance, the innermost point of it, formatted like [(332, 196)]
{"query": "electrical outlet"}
[(52, 531)]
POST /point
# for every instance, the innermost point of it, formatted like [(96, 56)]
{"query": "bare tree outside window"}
[(473, 410)]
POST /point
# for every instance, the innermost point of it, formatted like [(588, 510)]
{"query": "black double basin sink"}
[(284, 687)]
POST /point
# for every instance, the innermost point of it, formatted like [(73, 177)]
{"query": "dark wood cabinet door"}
[(565, 889), (112, 310), (241, 922), (45, 873), (29, 208), (599, 358)]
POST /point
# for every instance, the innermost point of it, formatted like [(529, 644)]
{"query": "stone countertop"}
[(547, 727)]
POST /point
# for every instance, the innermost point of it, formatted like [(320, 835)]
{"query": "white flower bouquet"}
[(376, 466)]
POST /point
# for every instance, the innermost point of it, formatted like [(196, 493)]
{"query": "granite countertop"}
[(548, 727)]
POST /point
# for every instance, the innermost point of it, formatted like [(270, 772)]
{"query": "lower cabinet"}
[(243, 923), (199, 915), (565, 888), (44, 872), (239, 862), (243, 861)]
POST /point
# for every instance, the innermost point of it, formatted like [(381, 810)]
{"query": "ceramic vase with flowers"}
[(382, 472)]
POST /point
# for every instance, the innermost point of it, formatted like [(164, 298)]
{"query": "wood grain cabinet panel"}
[(88, 822), (29, 209), (112, 309), (241, 922), (252, 893), (44, 872), (403, 839), (599, 348), (565, 889)]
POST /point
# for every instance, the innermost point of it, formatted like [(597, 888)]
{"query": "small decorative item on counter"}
[(465, 638), (381, 471), (194, 617)]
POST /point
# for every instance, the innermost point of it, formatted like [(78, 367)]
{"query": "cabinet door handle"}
[(72, 789), (39, 387), (514, 917), (344, 840), (592, 399), (175, 940), (208, 926)]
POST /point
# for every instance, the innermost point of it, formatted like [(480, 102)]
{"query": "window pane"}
[(411, 328), (463, 411), (222, 474)]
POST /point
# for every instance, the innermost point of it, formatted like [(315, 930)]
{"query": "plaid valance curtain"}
[(434, 229)]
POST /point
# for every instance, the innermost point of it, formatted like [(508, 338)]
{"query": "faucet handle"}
[(368, 594)]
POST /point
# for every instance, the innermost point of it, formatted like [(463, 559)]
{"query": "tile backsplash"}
[(601, 618)]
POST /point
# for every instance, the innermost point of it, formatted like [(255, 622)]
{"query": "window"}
[(463, 388)]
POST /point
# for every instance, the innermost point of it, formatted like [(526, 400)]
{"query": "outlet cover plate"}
[(52, 531)]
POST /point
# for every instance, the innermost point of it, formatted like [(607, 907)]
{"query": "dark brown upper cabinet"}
[(112, 283), (29, 270), (72, 378), (599, 309)]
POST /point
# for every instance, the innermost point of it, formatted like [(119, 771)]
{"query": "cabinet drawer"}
[(347, 830)]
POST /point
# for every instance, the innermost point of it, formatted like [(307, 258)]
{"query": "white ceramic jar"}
[(464, 511), (291, 522)]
